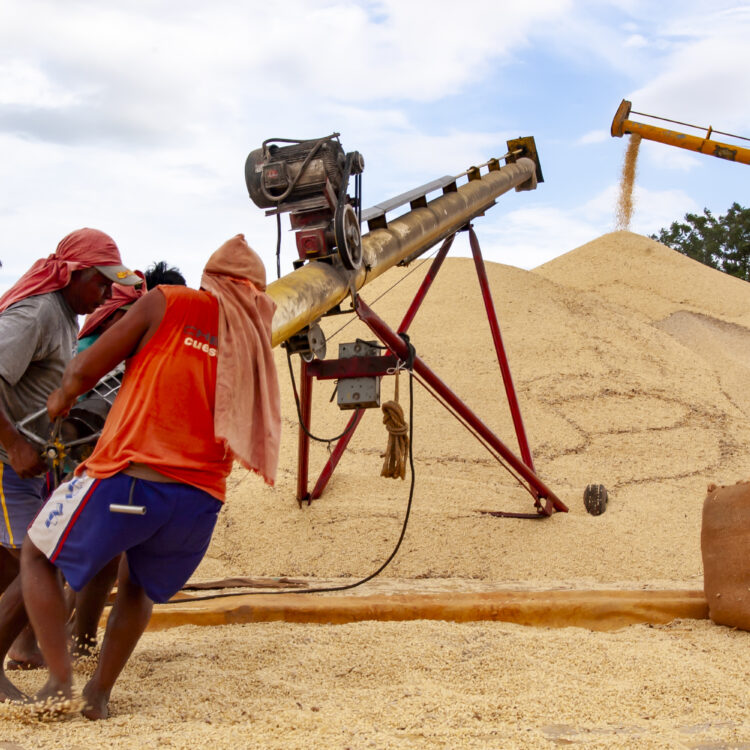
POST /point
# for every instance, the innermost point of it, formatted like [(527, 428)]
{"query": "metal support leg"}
[(303, 449), (341, 445), (397, 345), (426, 284), (335, 456), (502, 358)]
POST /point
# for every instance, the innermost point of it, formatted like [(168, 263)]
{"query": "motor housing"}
[(309, 180), (272, 169)]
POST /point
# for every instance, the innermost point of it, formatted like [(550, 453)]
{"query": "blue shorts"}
[(20, 500), (79, 533)]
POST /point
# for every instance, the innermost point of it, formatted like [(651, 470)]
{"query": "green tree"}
[(722, 242)]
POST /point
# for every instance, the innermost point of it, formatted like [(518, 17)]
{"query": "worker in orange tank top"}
[(199, 392)]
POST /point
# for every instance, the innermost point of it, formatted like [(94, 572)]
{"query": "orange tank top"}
[(163, 415)]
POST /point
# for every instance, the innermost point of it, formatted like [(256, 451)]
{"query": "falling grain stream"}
[(625, 202)]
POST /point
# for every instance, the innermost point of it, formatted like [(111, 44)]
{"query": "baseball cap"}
[(120, 275)]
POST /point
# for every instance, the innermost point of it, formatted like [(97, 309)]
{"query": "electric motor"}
[(285, 174)]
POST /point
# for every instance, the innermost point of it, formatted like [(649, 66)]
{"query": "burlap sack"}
[(725, 545)]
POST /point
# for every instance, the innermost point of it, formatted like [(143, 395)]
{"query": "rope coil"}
[(397, 451)]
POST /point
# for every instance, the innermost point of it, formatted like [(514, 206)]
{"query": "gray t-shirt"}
[(38, 337)]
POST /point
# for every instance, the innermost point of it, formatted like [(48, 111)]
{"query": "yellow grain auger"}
[(622, 125), (308, 180)]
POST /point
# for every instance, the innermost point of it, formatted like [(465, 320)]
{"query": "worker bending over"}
[(38, 328), (199, 389)]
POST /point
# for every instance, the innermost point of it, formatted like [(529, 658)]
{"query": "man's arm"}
[(124, 339), (23, 457), (22, 334)]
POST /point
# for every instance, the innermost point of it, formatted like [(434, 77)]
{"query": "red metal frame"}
[(303, 446), (502, 359), (426, 284), (522, 467), (340, 448)]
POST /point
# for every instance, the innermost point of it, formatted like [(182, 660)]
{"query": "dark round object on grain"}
[(595, 499)]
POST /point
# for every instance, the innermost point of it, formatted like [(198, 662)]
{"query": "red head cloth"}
[(248, 408), (81, 249), (121, 295)]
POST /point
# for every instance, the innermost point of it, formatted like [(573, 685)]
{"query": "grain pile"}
[(631, 364)]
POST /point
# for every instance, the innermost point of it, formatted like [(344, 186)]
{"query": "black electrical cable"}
[(389, 289), (278, 245), (317, 144), (358, 197), (302, 424), (409, 364), (345, 177)]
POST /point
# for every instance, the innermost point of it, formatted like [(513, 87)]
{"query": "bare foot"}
[(54, 690), (54, 707), (18, 661), (97, 703), (9, 692), (24, 652)]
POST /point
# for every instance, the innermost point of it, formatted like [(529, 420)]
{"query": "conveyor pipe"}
[(621, 125), (306, 294)]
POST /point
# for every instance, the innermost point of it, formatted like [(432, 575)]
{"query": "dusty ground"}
[(631, 365)]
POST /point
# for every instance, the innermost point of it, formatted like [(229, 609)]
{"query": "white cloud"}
[(635, 41), (587, 36), (163, 72), (528, 237), (24, 84), (593, 136), (703, 80)]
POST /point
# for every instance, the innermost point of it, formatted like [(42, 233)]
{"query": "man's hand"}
[(58, 404), (24, 458)]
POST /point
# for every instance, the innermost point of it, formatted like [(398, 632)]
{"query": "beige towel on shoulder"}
[(248, 411)]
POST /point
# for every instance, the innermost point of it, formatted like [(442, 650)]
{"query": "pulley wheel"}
[(348, 238), (595, 498), (317, 340), (316, 344)]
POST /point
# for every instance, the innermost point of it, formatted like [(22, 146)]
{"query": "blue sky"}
[(136, 117)]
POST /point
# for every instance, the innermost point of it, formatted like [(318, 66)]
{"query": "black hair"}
[(160, 273)]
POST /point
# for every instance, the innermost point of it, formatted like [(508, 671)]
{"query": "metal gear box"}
[(358, 393)]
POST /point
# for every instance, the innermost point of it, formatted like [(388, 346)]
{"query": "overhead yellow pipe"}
[(622, 126), (306, 294)]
